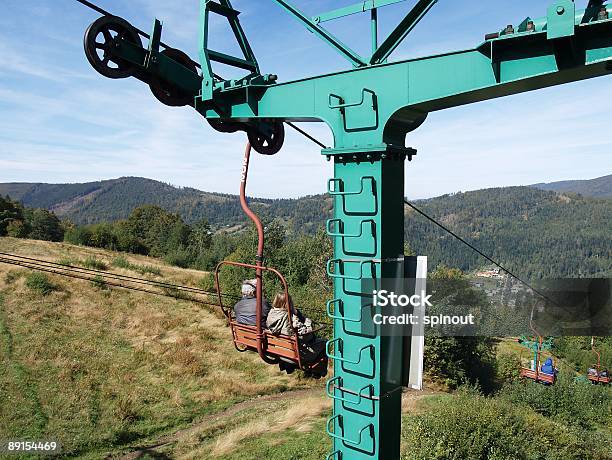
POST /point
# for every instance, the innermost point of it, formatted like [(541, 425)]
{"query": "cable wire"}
[(71, 271), (32, 266), (307, 135), (68, 267), (475, 249)]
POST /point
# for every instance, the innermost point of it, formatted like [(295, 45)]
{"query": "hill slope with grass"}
[(104, 370), (120, 374)]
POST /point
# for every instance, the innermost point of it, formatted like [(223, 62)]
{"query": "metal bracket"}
[(330, 389), (154, 44), (340, 317), (247, 62), (332, 262), (357, 442), (561, 20), (361, 116), (343, 359), (342, 192), (330, 222)]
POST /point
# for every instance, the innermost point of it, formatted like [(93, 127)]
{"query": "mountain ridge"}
[(600, 187), (114, 199), (536, 232)]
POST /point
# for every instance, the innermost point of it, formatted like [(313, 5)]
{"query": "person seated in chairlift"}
[(246, 308), (604, 373), (548, 368), (312, 348), (592, 371)]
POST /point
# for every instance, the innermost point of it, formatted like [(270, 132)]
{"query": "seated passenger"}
[(592, 371), (246, 308), (548, 368), (312, 348)]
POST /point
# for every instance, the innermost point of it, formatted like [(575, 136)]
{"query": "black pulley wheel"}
[(224, 126), (267, 143), (100, 39), (167, 92)]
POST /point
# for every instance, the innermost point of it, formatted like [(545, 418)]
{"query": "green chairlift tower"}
[(370, 108)]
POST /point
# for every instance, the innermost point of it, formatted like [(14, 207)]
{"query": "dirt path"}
[(151, 449), (410, 401)]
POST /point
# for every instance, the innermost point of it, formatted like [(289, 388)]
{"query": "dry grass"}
[(271, 418), (133, 363)]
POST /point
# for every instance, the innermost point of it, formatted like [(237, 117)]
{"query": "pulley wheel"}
[(267, 143), (225, 126), (168, 93), (99, 40)]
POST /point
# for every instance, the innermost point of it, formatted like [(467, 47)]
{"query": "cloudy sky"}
[(60, 121)]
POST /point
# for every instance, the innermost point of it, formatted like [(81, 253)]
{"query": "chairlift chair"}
[(271, 348), (597, 378)]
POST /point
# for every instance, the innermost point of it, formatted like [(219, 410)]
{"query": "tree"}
[(43, 225), (200, 239), (10, 211)]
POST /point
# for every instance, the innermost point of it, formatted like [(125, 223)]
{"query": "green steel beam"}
[(378, 105), (226, 59), (396, 37), (356, 8), (323, 34), (366, 387)]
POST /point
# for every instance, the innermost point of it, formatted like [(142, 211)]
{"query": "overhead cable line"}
[(475, 249), (38, 267), (68, 267), (81, 273)]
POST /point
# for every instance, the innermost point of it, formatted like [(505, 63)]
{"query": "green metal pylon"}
[(368, 233)]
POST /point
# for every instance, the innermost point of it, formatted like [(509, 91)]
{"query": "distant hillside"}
[(535, 232), (596, 188), (114, 199)]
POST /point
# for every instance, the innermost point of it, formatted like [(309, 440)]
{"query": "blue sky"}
[(60, 121)]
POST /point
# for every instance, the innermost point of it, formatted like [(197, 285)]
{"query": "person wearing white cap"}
[(246, 308)]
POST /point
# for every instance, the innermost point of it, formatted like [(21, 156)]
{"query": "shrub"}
[(17, 229), (96, 264), (459, 360), (207, 282), (147, 269), (99, 283), (67, 261), (507, 368), (179, 258), (39, 283), (78, 235), (43, 225), (571, 402), (12, 275), (471, 426), (121, 262)]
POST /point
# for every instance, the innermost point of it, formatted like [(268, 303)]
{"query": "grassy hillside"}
[(120, 374), (600, 187), (104, 369)]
